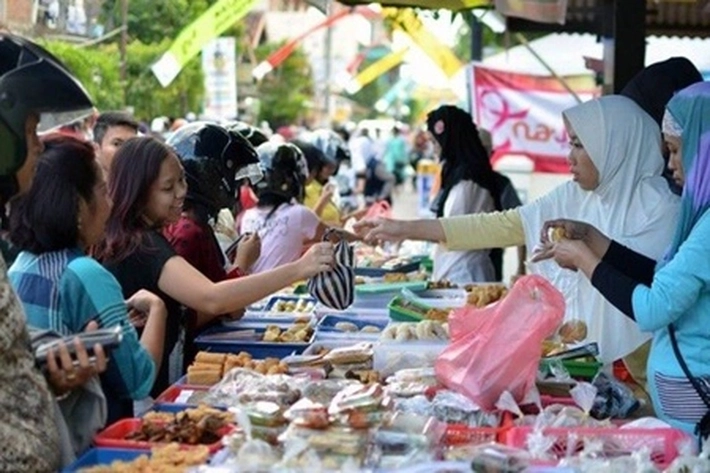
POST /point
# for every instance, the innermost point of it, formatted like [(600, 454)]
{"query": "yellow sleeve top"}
[(483, 230), (330, 214)]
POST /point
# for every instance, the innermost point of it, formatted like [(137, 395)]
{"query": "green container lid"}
[(395, 287), (401, 313), (577, 369)]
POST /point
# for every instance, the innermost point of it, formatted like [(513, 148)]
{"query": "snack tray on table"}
[(376, 272), (327, 330), (175, 398), (115, 436), (103, 456), (225, 340), (378, 295)]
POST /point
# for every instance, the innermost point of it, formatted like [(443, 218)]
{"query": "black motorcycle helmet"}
[(213, 160), (285, 171), (253, 134), (33, 81), (315, 159)]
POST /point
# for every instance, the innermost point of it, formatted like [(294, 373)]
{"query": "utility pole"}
[(476, 38), (328, 73), (122, 49)]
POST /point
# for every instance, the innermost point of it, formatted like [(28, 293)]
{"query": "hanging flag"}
[(279, 56), (218, 18), (543, 11), (406, 20), (375, 70)]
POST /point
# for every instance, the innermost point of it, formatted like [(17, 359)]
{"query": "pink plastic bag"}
[(498, 348)]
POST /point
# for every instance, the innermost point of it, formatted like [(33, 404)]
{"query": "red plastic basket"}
[(663, 443), (115, 436), (459, 434), (173, 392)]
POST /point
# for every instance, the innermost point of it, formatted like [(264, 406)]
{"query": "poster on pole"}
[(523, 113), (219, 66)]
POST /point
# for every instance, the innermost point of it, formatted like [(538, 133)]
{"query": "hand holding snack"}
[(248, 251)]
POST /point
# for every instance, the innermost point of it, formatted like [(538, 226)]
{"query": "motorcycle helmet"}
[(213, 160), (285, 171), (253, 134), (33, 81)]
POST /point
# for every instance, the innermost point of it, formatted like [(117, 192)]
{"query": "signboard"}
[(523, 113), (219, 66)]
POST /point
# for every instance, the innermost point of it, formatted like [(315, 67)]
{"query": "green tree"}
[(285, 92), (150, 21), (96, 68), (147, 97)]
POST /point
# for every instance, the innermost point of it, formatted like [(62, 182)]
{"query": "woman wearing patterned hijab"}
[(671, 298), (468, 185)]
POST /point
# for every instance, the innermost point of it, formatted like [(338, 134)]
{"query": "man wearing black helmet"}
[(36, 90)]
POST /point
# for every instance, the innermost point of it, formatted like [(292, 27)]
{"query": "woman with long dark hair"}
[(148, 188), (468, 185), (62, 289)]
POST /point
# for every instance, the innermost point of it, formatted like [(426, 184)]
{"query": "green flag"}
[(218, 18)]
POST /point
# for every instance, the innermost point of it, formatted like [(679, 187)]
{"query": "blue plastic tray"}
[(271, 305), (104, 456), (376, 272), (326, 327), (257, 349)]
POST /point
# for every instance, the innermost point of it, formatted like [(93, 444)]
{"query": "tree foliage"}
[(98, 68), (287, 91)]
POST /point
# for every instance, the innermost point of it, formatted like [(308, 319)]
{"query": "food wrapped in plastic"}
[(454, 408), (411, 382), (324, 391), (334, 440), (307, 413), (494, 457), (614, 399), (366, 398), (265, 413), (243, 386)]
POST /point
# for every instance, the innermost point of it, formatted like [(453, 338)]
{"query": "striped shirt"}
[(64, 291)]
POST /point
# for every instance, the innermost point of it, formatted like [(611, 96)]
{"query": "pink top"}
[(282, 235)]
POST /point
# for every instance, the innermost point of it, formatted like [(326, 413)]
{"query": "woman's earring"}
[(78, 224)]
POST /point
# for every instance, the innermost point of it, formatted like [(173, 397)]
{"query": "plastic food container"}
[(577, 369), (402, 310), (378, 295), (103, 456), (326, 328), (305, 305), (440, 298), (254, 346), (376, 272), (392, 356), (663, 443), (262, 319), (115, 436), (176, 397)]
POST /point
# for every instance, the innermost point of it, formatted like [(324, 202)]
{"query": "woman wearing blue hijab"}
[(671, 298)]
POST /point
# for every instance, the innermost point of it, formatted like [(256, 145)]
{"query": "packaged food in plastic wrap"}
[(454, 408), (243, 386), (309, 414), (324, 391), (687, 460), (497, 458), (613, 399), (334, 440), (265, 413)]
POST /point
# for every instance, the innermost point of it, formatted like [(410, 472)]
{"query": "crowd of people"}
[(109, 225)]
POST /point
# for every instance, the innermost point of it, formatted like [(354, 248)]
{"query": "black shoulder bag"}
[(702, 428)]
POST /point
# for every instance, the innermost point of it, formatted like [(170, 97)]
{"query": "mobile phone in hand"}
[(108, 338)]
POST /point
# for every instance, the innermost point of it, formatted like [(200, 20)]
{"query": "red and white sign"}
[(523, 113)]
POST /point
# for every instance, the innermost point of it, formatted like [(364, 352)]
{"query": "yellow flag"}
[(217, 19), (375, 70), (406, 20)]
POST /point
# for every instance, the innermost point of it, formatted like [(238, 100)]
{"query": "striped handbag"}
[(336, 288)]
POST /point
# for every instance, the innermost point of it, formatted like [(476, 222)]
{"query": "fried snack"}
[(480, 295), (164, 459), (208, 374), (573, 331), (395, 277), (299, 332), (210, 358), (440, 315), (556, 234), (196, 375), (346, 327), (370, 329), (191, 427), (443, 284)]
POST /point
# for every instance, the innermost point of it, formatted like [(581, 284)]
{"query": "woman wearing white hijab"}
[(616, 163)]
